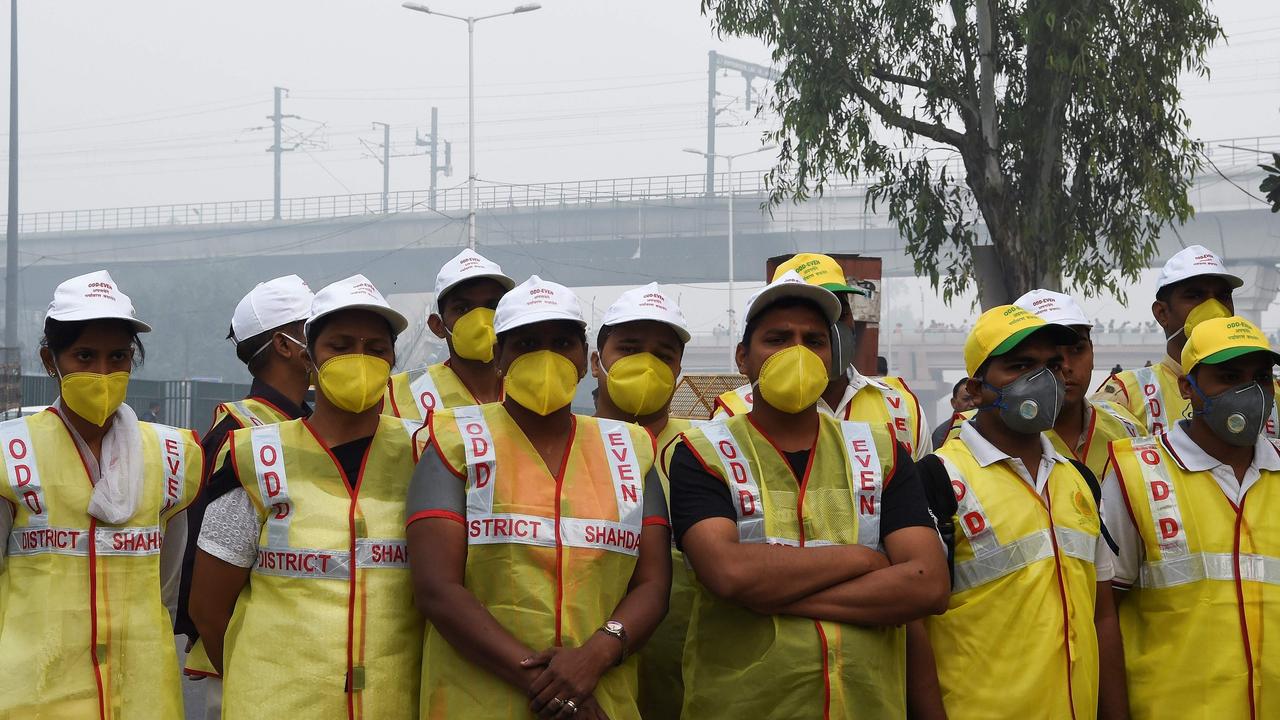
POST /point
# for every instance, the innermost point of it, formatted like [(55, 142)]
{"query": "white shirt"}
[(857, 381), (1192, 458), (987, 454)]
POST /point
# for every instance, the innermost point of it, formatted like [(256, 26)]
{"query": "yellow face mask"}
[(792, 379), (473, 336), (542, 381), (354, 382), (1207, 310), (94, 396), (639, 384)]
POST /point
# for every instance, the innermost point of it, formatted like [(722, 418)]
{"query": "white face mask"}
[(271, 342)]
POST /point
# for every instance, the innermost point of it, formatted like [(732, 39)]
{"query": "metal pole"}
[(277, 151), (711, 123), (733, 352), (471, 133), (386, 164), (435, 167), (11, 228)]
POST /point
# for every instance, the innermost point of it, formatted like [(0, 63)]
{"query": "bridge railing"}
[(1234, 153)]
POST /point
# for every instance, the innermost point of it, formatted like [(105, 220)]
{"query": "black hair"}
[(62, 334), (249, 351), (779, 304), (882, 365), (319, 324), (959, 384)]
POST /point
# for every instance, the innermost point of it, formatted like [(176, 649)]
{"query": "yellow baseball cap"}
[(1002, 328), (820, 270), (1221, 339)]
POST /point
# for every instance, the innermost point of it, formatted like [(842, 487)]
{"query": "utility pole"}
[(433, 142), (278, 149), (749, 71), (386, 164), (11, 228)]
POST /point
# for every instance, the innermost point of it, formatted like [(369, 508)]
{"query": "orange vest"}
[(549, 555)]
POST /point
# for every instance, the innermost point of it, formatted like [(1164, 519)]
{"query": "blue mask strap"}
[(1208, 404), (999, 401)]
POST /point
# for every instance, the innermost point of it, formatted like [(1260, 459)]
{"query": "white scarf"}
[(117, 479)]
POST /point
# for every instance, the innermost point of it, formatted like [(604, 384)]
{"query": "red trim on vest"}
[(720, 404), (436, 513), (826, 673), (435, 442), (1244, 625), (559, 476), (391, 397), (655, 520), (1119, 384)]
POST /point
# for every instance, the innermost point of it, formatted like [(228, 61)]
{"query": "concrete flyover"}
[(189, 259)]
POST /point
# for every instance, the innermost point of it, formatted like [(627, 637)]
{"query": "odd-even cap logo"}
[(100, 291), (654, 300)]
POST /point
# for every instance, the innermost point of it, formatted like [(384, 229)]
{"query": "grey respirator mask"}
[(1030, 404), (1236, 415), (842, 348)]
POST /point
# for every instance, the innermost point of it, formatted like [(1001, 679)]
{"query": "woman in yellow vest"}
[(538, 537), (468, 288), (849, 394), (810, 538), (301, 590), (93, 527), (1193, 513), (637, 360), (1030, 631)]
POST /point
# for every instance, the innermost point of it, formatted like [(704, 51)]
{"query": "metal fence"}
[(1220, 154), (182, 403)]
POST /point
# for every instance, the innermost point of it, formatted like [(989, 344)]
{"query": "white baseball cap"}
[(790, 284), (353, 293), (469, 265), (1055, 307), (647, 303), (1192, 262), (93, 296), (269, 305), (536, 300)]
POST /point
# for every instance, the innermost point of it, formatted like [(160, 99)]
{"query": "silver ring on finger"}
[(558, 703), (573, 707)]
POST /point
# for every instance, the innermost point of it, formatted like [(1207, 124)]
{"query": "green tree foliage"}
[(1053, 127), (1271, 183)]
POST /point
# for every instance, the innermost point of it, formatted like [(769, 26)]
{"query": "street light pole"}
[(711, 158), (11, 229), (471, 99)]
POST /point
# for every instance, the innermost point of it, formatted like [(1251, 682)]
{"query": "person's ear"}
[(436, 324), (1161, 312), (740, 357), (595, 364), (1185, 389), (46, 358)]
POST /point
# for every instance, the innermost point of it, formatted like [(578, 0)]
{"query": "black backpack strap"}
[(1095, 488), (942, 503)]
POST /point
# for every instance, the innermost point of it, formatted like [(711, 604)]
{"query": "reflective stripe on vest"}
[(867, 478), (1110, 410), (896, 403), (371, 554), (22, 471), (993, 560), (484, 527), (243, 409), (273, 483), (1162, 499), (174, 464), (741, 481), (1153, 396), (425, 394), (132, 541), (1194, 567)]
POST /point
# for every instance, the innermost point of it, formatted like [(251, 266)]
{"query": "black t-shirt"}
[(697, 495)]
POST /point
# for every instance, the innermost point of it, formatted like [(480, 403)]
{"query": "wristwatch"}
[(615, 628)]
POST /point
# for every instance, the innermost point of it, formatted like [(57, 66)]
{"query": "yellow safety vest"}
[(250, 412), (1108, 422), (1196, 622), (83, 629), (1152, 396), (549, 555), (1018, 638), (326, 626), (739, 664), (882, 401), (661, 686), (438, 387)]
